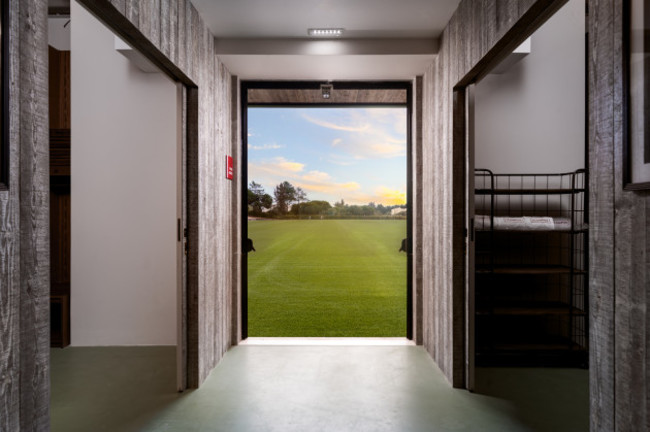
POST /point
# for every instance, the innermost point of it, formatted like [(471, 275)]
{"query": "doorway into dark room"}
[(527, 219)]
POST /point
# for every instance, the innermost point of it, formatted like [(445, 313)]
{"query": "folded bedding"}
[(524, 223)]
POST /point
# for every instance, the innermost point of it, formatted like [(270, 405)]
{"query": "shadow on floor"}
[(546, 399), (111, 388), (304, 388)]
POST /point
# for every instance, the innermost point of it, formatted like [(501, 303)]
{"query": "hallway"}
[(306, 388)]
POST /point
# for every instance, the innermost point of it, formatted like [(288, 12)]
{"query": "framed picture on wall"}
[(636, 150), (4, 94)]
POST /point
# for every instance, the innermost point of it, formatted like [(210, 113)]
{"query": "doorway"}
[(526, 213), (123, 207), (308, 263)]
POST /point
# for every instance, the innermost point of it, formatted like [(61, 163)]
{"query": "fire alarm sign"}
[(229, 168)]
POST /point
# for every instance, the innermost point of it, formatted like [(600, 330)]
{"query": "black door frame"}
[(338, 85)]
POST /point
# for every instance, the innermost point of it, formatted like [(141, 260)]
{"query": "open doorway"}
[(121, 225), (527, 221), (328, 215)]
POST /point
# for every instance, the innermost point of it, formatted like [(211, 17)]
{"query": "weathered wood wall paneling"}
[(193, 39), (620, 309), (480, 33), (173, 30), (601, 214), (149, 21), (10, 288), (165, 28), (173, 36), (631, 379), (133, 11), (31, 93)]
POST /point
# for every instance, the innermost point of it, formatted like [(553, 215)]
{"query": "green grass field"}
[(327, 278)]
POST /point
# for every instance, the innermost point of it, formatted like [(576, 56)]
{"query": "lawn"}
[(327, 278)]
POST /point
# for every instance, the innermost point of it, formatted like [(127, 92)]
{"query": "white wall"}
[(124, 142), (58, 33), (532, 118)]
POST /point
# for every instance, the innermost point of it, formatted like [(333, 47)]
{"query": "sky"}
[(354, 154)]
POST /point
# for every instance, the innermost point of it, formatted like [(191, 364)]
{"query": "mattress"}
[(524, 223)]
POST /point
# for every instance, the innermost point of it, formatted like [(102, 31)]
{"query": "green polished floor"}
[(306, 388)]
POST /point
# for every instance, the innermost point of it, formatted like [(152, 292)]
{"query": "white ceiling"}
[(292, 18), (402, 27)]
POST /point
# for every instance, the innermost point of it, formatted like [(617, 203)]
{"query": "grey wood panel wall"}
[(34, 219), (619, 243), (10, 288), (24, 229), (478, 35)]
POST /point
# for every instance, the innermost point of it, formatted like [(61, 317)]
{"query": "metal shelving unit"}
[(531, 269)]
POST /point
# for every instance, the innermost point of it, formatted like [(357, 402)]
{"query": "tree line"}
[(291, 201)]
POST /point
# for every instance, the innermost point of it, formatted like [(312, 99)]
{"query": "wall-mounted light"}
[(325, 32), (326, 90)]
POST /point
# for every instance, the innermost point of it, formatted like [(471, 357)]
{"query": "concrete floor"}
[(306, 388)]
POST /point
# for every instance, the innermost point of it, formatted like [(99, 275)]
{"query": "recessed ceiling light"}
[(325, 32)]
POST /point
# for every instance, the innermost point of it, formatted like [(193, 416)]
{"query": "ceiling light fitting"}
[(326, 90), (325, 32)]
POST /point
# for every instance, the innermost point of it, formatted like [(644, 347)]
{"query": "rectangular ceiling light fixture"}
[(325, 32)]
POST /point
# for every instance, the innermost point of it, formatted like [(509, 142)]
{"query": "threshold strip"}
[(327, 341)]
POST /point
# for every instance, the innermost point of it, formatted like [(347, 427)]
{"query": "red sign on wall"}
[(230, 170)]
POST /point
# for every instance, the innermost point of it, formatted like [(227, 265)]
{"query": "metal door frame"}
[(342, 85)]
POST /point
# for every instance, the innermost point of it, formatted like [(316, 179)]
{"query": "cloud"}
[(389, 196), (340, 127), (286, 165), (265, 147), (317, 176), (274, 168), (381, 195), (329, 188), (317, 184), (370, 133), (320, 185), (322, 182), (347, 137)]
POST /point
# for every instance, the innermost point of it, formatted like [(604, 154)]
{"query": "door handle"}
[(248, 246), (405, 245)]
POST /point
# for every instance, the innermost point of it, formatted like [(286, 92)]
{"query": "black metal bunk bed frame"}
[(531, 269)]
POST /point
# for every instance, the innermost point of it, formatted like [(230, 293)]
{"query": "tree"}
[(301, 196), (311, 208), (258, 200), (285, 194)]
